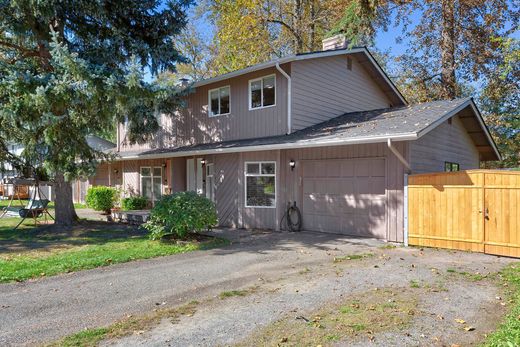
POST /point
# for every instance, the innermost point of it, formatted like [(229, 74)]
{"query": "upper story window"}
[(219, 101), (262, 92)]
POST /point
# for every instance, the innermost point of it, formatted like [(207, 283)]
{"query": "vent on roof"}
[(335, 42)]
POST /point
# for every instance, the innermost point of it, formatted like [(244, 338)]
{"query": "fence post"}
[(405, 219)]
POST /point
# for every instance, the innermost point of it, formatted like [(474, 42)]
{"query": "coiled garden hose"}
[(293, 217)]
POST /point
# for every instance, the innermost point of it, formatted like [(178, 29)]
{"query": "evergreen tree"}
[(69, 69)]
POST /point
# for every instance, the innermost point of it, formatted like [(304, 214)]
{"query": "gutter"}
[(289, 97), (253, 148), (398, 155)]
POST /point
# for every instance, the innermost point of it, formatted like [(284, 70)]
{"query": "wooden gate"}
[(474, 210)]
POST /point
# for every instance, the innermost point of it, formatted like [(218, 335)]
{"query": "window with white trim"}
[(262, 92), (151, 182), (219, 101), (260, 184)]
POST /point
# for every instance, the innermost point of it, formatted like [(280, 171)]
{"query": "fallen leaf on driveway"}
[(468, 328), (461, 321)]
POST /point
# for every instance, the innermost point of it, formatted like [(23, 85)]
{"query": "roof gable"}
[(361, 53)]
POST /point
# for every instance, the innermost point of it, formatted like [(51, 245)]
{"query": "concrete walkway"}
[(47, 309)]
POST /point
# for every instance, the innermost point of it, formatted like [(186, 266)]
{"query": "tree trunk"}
[(65, 213), (449, 83)]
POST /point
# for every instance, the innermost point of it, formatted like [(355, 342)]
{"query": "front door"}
[(210, 182), (194, 175)]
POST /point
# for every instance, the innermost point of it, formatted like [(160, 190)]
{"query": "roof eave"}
[(471, 103), (291, 145), (292, 58)]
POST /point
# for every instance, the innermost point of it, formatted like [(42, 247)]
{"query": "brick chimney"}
[(335, 42)]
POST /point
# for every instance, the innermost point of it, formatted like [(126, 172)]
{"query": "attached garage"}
[(346, 196)]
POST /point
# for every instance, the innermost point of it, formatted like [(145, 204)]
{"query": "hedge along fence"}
[(475, 210)]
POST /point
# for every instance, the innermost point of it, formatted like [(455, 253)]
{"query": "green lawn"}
[(34, 252), (508, 333), (16, 203)]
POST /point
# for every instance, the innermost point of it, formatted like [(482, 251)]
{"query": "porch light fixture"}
[(163, 165), (292, 164), (116, 171), (203, 161)]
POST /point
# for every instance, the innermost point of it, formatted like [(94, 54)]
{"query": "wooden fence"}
[(475, 210)]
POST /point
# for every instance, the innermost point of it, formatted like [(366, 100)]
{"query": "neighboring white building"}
[(6, 170)]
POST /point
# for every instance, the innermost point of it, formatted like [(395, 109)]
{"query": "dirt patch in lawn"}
[(362, 315)]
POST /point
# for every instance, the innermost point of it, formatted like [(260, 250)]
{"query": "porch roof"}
[(399, 124)]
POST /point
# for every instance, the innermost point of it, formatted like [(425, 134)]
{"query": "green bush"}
[(180, 214), (101, 198), (134, 203)]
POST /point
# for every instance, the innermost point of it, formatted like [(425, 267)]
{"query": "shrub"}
[(180, 214), (101, 198), (134, 203)]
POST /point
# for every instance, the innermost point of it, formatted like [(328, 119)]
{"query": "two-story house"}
[(327, 130)]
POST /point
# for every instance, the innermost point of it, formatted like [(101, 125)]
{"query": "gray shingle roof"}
[(388, 122)]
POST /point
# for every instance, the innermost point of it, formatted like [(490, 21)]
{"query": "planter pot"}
[(116, 213)]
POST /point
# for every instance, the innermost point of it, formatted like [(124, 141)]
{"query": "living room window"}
[(260, 184), (219, 101), (450, 167), (151, 182), (262, 92)]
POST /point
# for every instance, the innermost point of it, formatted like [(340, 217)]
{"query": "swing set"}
[(35, 207)]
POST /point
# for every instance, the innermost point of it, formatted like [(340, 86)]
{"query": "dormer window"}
[(262, 92), (219, 101)]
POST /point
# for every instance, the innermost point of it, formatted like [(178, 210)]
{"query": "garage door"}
[(345, 196)]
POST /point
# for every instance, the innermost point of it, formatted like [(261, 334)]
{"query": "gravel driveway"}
[(292, 274)]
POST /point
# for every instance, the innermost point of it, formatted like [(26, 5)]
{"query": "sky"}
[(385, 41)]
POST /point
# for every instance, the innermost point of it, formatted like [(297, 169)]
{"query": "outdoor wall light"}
[(292, 164), (203, 161), (116, 171), (164, 165)]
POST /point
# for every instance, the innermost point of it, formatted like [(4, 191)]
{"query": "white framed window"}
[(260, 178), (151, 182), (219, 101), (262, 92)]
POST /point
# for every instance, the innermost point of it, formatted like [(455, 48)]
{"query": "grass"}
[(128, 326), (232, 293), (353, 257), (34, 252), (472, 276), (415, 284), (50, 206), (508, 332), (371, 312), (388, 246)]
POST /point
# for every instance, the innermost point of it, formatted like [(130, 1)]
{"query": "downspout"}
[(289, 88), (399, 156)]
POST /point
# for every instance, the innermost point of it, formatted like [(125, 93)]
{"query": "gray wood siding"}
[(194, 126), (226, 188), (324, 88), (445, 143)]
